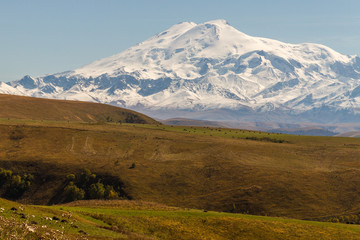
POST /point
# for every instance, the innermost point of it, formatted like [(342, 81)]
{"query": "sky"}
[(42, 37)]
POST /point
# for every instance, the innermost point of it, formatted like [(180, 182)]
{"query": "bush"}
[(88, 186), (28, 178), (5, 175), (131, 118), (86, 178), (110, 193), (15, 185), (18, 185), (70, 178), (73, 193), (97, 191), (16, 135)]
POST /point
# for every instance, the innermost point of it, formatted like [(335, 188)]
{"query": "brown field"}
[(19, 107), (195, 167), (213, 169)]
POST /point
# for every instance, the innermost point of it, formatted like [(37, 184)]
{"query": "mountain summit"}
[(199, 70)]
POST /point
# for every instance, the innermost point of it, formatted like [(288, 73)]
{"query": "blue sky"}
[(46, 36)]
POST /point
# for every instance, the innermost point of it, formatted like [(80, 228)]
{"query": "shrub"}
[(73, 193), (110, 193), (17, 186), (86, 178), (5, 175), (88, 186), (131, 118), (70, 177), (16, 135), (28, 178), (97, 191)]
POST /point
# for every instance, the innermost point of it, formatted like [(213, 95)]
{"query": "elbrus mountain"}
[(213, 71)]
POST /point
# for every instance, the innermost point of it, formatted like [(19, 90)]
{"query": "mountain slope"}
[(7, 89), (20, 107), (205, 168), (209, 66)]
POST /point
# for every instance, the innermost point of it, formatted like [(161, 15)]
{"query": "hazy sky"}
[(40, 37)]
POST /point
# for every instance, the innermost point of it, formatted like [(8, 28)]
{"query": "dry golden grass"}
[(122, 204), (19, 107), (205, 168)]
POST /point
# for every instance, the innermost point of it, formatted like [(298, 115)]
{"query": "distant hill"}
[(193, 122), (349, 134), (293, 129), (20, 107), (310, 131)]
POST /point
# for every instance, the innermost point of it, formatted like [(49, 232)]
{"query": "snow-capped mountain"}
[(204, 69), (7, 89)]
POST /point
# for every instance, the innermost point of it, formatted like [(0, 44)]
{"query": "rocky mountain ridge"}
[(213, 71)]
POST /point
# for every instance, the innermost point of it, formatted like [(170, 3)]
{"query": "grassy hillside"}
[(144, 220), (206, 168), (19, 107)]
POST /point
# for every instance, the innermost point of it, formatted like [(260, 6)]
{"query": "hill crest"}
[(20, 107)]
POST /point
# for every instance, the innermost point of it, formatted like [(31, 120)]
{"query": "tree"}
[(110, 193), (86, 178), (73, 193), (97, 191), (70, 177), (17, 186), (5, 175)]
